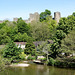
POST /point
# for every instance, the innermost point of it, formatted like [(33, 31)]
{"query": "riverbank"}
[(65, 63), (62, 62), (19, 65), (59, 62), (35, 69)]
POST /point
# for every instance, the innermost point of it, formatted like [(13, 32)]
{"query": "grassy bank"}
[(63, 62)]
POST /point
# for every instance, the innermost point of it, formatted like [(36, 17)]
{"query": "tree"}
[(44, 14), (64, 27), (11, 51), (66, 24), (22, 26), (68, 44), (60, 34), (71, 21), (3, 37), (40, 31), (2, 64), (30, 48), (2, 24), (73, 14), (21, 37)]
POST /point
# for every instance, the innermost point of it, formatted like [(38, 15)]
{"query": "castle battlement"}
[(36, 17)]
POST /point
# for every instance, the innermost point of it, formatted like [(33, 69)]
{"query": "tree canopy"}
[(44, 14), (11, 51)]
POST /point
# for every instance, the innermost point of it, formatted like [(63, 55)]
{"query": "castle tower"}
[(15, 19), (1, 21), (34, 17), (57, 16)]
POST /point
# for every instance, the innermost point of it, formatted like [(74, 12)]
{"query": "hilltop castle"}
[(36, 17), (57, 16)]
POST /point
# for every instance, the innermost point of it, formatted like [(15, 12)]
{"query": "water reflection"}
[(37, 70)]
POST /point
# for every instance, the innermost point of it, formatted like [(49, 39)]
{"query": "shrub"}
[(31, 57), (72, 65), (42, 59), (51, 61), (22, 56), (2, 64), (11, 51), (61, 64)]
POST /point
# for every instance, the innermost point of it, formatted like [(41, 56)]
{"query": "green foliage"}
[(73, 14), (31, 58), (22, 26), (2, 64), (21, 37), (41, 31), (43, 15), (42, 59), (68, 44), (2, 24), (64, 64), (51, 61), (9, 30), (11, 51), (30, 48), (64, 27), (3, 37), (22, 56), (66, 24), (60, 34), (55, 48)]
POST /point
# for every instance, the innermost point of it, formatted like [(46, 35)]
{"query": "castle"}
[(36, 17), (57, 16)]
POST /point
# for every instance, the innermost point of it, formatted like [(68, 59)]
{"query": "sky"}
[(10, 9)]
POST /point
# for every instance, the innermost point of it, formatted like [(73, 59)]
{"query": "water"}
[(34, 69)]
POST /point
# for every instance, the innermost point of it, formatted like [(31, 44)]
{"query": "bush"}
[(31, 57), (42, 59), (51, 61), (22, 56), (72, 65), (61, 64), (64, 64), (2, 64), (11, 51)]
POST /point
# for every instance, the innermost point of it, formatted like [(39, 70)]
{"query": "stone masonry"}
[(57, 16), (36, 17)]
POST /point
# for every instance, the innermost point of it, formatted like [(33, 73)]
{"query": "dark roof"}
[(36, 43), (20, 43)]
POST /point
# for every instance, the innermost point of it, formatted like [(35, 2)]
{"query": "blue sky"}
[(21, 8)]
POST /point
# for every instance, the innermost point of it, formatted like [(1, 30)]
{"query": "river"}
[(34, 69)]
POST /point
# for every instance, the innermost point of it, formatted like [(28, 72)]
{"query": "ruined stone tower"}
[(57, 16), (15, 19), (33, 17)]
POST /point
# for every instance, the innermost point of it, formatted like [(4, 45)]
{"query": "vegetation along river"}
[(34, 69)]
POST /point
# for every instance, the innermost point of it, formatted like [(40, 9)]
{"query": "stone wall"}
[(15, 19), (33, 17), (57, 16), (36, 17)]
